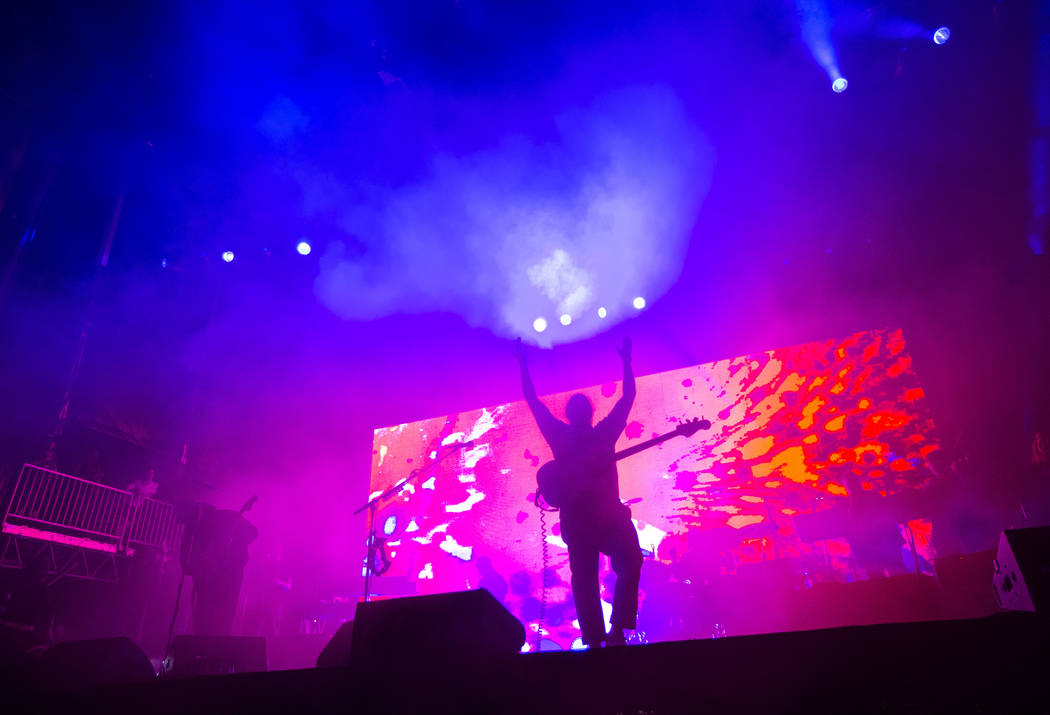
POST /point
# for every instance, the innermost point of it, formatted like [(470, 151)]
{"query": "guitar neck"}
[(635, 449)]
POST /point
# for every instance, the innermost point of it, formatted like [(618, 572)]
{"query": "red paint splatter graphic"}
[(790, 426)]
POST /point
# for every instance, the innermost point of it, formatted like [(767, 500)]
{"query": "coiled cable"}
[(545, 549)]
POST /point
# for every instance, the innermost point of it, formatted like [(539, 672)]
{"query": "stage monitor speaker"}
[(217, 655), (465, 627), (337, 653), (1022, 570), (100, 661)]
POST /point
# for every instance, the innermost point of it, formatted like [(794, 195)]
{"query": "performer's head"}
[(579, 411)]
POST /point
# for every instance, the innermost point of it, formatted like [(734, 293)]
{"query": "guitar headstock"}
[(691, 427)]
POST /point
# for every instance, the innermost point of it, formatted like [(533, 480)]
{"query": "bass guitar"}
[(559, 481)]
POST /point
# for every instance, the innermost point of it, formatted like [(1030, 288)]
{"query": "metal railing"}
[(66, 508)]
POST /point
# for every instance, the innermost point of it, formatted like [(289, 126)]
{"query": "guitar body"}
[(554, 480)]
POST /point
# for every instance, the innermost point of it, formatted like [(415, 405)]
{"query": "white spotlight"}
[(565, 319), (227, 256), (638, 302), (839, 85), (539, 325), (303, 247), (941, 35), (602, 312)]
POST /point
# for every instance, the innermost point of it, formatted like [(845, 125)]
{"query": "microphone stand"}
[(372, 504)]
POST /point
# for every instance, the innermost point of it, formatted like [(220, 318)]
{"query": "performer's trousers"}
[(614, 536), (217, 594)]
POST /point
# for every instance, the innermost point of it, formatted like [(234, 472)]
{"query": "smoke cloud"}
[(561, 222)]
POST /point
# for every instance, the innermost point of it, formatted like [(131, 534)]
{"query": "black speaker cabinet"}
[(469, 627), (100, 661), (337, 653), (1022, 570)]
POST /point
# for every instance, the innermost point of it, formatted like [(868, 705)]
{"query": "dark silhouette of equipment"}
[(337, 653), (466, 627), (1022, 570), (217, 655), (100, 661)]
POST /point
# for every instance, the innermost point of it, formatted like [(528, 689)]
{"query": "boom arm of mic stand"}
[(372, 504)]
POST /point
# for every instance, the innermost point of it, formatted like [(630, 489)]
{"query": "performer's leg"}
[(583, 561), (227, 600), (626, 555), (201, 597)]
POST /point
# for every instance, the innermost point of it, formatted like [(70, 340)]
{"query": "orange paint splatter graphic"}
[(757, 447), (835, 424), (739, 522)]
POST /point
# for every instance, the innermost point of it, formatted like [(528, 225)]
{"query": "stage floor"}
[(993, 664)]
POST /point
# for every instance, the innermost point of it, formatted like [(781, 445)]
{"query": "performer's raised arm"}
[(618, 414), (547, 422)]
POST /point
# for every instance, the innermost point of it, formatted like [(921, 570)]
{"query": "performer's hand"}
[(625, 350), (521, 352)]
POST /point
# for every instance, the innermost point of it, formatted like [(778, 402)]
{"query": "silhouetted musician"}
[(220, 539), (593, 520)]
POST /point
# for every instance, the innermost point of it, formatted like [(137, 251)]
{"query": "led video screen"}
[(789, 427)]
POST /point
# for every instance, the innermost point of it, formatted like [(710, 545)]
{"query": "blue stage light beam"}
[(815, 25), (941, 35)]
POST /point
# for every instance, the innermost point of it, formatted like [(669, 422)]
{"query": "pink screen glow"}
[(788, 425)]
